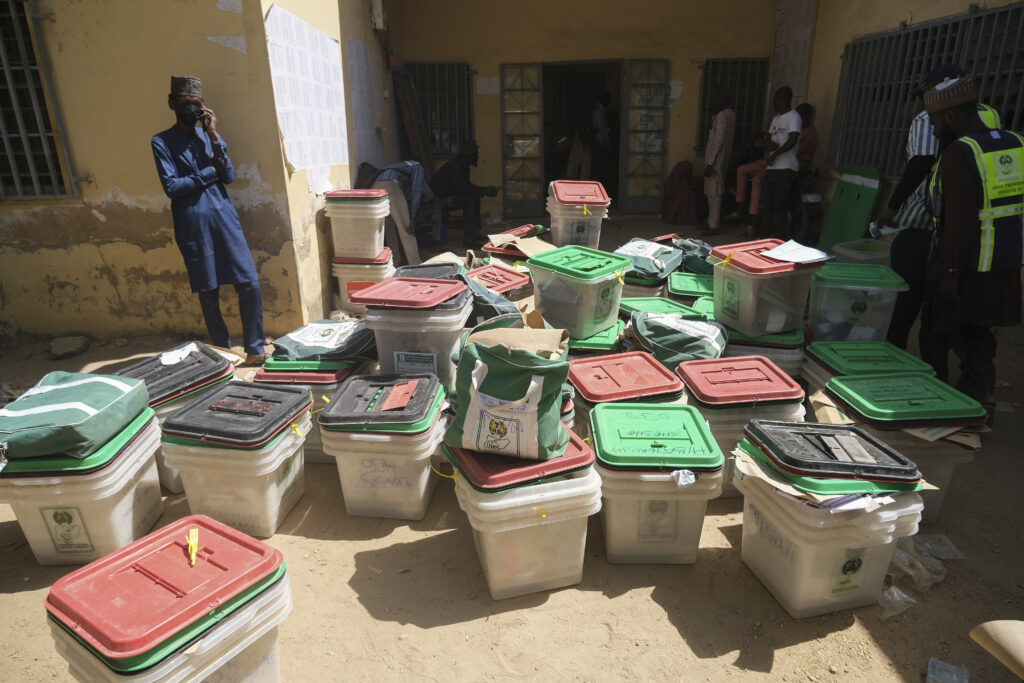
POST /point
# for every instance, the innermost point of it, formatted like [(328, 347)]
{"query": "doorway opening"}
[(581, 104)]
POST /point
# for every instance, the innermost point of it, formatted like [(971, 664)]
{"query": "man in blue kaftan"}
[(194, 167)]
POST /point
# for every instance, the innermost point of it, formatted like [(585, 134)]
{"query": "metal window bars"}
[(874, 105), (34, 162), (445, 93), (747, 81)]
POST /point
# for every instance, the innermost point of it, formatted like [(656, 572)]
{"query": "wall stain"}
[(65, 226)]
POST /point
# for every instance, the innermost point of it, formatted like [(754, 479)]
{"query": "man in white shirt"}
[(783, 137)]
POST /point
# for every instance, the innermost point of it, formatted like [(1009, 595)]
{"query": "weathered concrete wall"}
[(313, 245), (791, 59), (106, 263), (488, 34)]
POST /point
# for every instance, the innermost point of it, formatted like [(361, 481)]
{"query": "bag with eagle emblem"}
[(508, 390)]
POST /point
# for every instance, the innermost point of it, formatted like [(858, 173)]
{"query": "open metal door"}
[(645, 108), (522, 144)]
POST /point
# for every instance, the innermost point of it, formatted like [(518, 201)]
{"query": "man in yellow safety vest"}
[(977, 198)]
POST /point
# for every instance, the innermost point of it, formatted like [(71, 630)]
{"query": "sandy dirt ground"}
[(388, 600)]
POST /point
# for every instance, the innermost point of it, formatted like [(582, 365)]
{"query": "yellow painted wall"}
[(488, 34), (840, 21), (311, 228), (106, 263)]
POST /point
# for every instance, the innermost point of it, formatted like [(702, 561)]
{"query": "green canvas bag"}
[(70, 413), (672, 339), (508, 390), (324, 340)]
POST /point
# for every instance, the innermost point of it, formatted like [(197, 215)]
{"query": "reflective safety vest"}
[(989, 116), (999, 169)]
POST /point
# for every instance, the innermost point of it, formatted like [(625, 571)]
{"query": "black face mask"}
[(190, 112)]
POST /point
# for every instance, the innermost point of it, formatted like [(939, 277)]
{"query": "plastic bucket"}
[(417, 341), (532, 538), (583, 307), (727, 427), (242, 647), (853, 302), (759, 304), (862, 251), (78, 518), (251, 490), (789, 360), (386, 474), (632, 290), (573, 225), (812, 570), (345, 273), (313, 449), (358, 228), (936, 460), (170, 478), (649, 519)]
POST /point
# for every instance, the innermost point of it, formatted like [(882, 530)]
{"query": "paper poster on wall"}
[(309, 92), (368, 146)]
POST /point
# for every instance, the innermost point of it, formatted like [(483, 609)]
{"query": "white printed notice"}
[(309, 91)]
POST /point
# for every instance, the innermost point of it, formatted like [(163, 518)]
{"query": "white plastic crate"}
[(251, 490), (78, 518)]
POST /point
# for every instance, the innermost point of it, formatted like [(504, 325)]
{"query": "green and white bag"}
[(508, 390), (650, 259), (324, 340), (69, 413), (672, 339)]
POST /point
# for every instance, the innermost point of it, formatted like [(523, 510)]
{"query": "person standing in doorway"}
[(976, 194), (783, 136), (716, 155), (194, 167)]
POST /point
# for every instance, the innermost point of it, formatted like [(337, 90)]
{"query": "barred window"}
[(445, 94), (33, 163), (874, 106), (747, 81)]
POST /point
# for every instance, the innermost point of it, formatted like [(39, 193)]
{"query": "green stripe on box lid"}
[(904, 399), (865, 358), (417, 427), (605, 340), (274, 364), (827, 487), (185, 637), (786, 340), (643, 281), (658, 304), (581, 263), (705, 305), (859, 276), (65, 464), (651, 436), (691, 284)]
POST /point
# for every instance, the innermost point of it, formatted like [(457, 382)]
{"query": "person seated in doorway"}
[(752, 172), (451, 185), (408, 191)]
